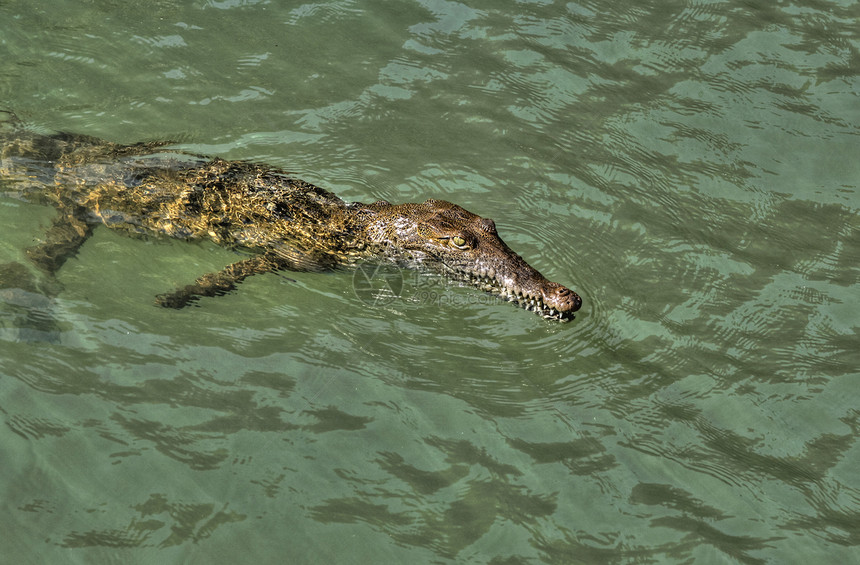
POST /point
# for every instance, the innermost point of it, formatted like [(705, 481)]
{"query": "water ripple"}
[(687, 167)]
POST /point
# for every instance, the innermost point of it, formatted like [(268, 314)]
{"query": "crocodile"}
[(279, 222)]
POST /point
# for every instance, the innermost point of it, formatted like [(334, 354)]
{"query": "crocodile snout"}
[(561, 298)]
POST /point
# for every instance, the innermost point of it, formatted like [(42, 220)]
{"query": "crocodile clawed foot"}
[(26, 306), (176, 300)]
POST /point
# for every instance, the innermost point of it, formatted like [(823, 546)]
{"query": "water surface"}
[(690, 168)]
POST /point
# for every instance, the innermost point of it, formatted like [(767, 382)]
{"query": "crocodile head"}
[(441, 236)]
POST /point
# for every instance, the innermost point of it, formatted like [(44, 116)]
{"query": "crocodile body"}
[(285, 223)]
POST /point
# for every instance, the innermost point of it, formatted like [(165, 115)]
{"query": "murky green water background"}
[(691, 168)]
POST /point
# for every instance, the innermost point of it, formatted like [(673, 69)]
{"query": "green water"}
[(690, 168)]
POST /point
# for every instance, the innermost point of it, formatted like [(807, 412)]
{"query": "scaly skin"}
[(286, 223)]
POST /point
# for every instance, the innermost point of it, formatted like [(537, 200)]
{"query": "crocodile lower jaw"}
[(532, 302)]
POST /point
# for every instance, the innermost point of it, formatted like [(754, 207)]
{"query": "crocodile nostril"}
[(566, 300)]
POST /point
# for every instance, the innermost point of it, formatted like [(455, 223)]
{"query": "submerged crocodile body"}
[(284, 223)]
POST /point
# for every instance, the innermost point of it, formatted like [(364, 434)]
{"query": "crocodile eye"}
[(458, 241)]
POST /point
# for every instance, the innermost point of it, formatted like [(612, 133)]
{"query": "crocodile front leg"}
[(221, 282), (62, 241)]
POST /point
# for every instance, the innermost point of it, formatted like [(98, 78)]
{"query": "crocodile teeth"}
[(526, 299)]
